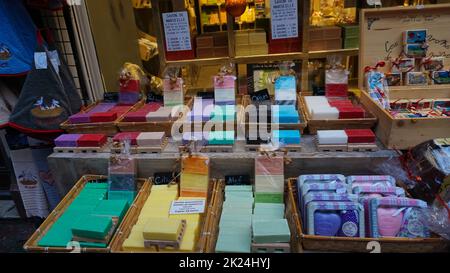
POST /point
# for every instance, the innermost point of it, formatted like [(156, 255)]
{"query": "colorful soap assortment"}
[(102, 112), (173, 92), (224, 90), (155, 223), (194, 180), (323, 108), (348, 136), (358, 206), (91, 218), (269, 179), (81, 140)]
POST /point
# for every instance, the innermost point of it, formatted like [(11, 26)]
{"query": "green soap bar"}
[(93, 191), (233, 224), (269, 206), (269, 197), (116, 208), (69, 217), (275, 213), (92, 226), (58, 235), (125, 195), (237, 199), (239, 188), (238, 205), (237, 211), (239, 228), (221, 138), (92, 245), (244, 219), (245, 194), (235, 243), (93, 185), (273, 231)]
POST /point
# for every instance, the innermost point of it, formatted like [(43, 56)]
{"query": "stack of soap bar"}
[(194, 178), (360, 136), (271, 231), (285, 90), (162, 114), (223, 113), (332, 137), (162, 229), (91, 140), (201, 110), (235, 221), (284, 114), (90, 203), (224, 90), (285, 137), (141, 114), (221, 138), (251, 42), (154, 139), (67, 140), (131, 136), (269, 179), (173, 92)]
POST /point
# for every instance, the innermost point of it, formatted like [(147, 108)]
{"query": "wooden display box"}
[(32, 244), (107, 128), (132, 216), (345, 244), (150, 126), (338, 124), (381, 38)]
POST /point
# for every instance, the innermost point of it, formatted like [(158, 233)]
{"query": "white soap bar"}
[(332, 137), (316, 99), (325, 113)]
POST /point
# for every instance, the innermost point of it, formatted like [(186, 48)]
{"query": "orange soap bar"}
[(195, 164)]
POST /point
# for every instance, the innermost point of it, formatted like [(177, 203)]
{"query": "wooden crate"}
[(107, 128), (382, 29), (32, 244), (132, 216), (338, 124), (246, 124), (344, 244), (153, 126)]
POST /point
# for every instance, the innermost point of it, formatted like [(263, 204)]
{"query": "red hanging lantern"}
[(236, 7)]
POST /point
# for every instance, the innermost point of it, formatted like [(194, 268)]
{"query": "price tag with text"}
[(188, 206)]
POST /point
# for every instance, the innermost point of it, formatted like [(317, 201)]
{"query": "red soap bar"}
[(336, 90), (91, 140), (132, 136), (135, 117), (284, 45), (103, 117), (130, 86), (340, 103), (149, 107), (360, 136), (350, 112)]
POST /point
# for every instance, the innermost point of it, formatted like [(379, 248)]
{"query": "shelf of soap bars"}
[(349, 147), (106, 148), (338, 124), (32, 244), (347, 244), (108, 128), (151, 126), (117, 148), (282, 126), (133, 213)]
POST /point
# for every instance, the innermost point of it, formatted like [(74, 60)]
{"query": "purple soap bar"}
[(201, 111), (350, 224), (128, 98), (67, 140), (80, 118), (326, 223), (102, 107)]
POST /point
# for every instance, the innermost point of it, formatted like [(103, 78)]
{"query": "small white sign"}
[(40, 60), (284, 19), (188, 206), (176, 30)]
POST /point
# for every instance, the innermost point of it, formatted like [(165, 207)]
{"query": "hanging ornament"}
[(236, 7)]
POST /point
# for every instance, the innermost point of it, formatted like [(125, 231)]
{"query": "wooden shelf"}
[(325, 53), (204, 61), (270, 57)]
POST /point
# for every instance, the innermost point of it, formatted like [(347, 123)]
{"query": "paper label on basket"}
[(176, 30), (188, 206), (284, 19)]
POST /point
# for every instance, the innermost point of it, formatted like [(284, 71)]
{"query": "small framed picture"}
[(415, 50), (433, 63), (416, 36), (440, 77), (416, 78), (406, 64), (394, 79)]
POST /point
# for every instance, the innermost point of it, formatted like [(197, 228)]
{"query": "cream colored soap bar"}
[(164, 229)]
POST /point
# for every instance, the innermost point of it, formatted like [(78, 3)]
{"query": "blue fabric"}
[(17, 38)]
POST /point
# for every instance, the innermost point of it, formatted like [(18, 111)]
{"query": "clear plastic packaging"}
[(122, 170), (437, 219), (336, 78)]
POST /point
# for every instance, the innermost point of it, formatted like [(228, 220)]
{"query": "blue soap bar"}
[(284, 114), (286, 137)]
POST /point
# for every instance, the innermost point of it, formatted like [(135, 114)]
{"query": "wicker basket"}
[(32, 244), (337, 124), (107, 128), (343, 244), (133, 214), (282, 126), (159, 126)]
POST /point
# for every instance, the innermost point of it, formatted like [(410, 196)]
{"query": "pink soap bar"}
[(224, 82), (135, 117), (80, 118), (102, 107), (104, 117), (149, 107), (122, 165), (389, 223), (132, 136), (269, 166)]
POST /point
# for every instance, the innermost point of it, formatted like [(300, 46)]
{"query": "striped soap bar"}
[(269, 165), (150, 138), (67, 140)]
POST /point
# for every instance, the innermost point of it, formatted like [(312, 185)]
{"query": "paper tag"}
[(284, 20), (40, 60), (54, 56), (187, 206), (176, 30)]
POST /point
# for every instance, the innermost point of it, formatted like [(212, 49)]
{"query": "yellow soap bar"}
[(164, 188), (155, 213), (187, 217), (188, 242), (193, 180), (164, 229), (134, 242), (163, 195), (157, 205)]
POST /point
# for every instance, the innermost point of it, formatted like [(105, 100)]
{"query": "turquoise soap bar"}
[(112, 208), (237, 211), (259, 206), (284, 114), (93, 245), (122, 195), (272, 231), (234, 243), (270, 213), (92, 185), (239, 188), (287, 137), (235, 218), (221, 138), (245, 194), (57, 236), (92, 226)]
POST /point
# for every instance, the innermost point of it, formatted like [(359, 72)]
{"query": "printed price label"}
[(284, 19), (176, 30), (188, 206)]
